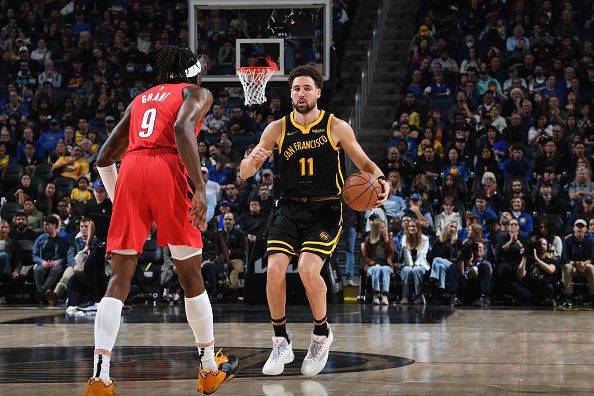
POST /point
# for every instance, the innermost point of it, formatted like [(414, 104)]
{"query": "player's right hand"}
[(198, 210), (259, 155)]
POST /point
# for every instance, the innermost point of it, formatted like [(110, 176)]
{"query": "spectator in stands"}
[(72, 166), (235, 241), (50, 256), (429, 163), (10, 259), (214, 254), (548, 204), (78, 245), (470, 268), (583, 211), (447, 216), (445, 252), (415, 246), (81, 192), (454, 166), (50, 75), (510, 252), (253, 223), (482, 211), (48, 201), (21, 231), (23, 190), (517, 164), (577, 261), (241, 122), (214, 124), (447, 64), (545, 228), (517, 211), (377, 251), (581, 187), (34, 216), (438, 87)]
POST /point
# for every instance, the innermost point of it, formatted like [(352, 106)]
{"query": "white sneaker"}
[(376, 300), (385, 300), (317, 354), (71, 310), (282, 353), (88, 307), (351, 282)]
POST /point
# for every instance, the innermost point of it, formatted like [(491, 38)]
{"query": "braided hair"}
[(172, 63)]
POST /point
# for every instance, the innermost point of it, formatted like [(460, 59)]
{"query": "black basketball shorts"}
[(305, 227)]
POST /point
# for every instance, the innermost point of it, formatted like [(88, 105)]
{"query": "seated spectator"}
[(517, 164), (548, 176), (34, 216), (455, 187), (577, 261), (492, 139), (421, 212), (509, 255), (78, 245), (21, 231), (395, 205), (415, 246), (5, 158), (454, 166), (471, 269), (546, 229), (447, 216), (437, 88), (241, 122), (81, 192), (581, 187), (50, 253), (429, 163), (23, 189), (72, 166), (541, 129), (253, 223), (482, 211), (236, 248), (213, 189), (10, 259), (214, 253), (377, 251), (170, 279), (547, 204), (518, 212), (445, 252)]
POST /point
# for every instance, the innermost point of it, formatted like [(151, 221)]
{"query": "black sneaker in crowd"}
[(455, 301), (567, 303), (483, 302)]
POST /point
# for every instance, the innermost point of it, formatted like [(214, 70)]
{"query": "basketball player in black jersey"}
[(307, 220)]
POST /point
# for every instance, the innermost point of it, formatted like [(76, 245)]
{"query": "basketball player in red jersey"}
[(156, 142)]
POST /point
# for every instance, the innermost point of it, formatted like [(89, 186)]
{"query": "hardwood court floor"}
[(377, 351)]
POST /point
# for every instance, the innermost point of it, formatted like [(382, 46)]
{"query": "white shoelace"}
[(277, 352), (314, 349)]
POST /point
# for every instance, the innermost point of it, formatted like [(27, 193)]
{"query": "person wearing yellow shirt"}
[(82, 132), (81, 193), (72, 166), (4, 157)]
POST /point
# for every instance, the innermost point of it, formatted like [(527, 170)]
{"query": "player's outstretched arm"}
[(197, 103), (343, 135), (112, 150), (250, 164)]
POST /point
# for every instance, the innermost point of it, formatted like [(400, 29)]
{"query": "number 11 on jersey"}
[(306, 166)]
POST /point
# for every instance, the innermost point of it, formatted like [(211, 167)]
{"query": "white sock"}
[(107, 325), (199, 314)]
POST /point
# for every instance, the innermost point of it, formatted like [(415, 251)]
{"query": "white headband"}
[(194, 70)]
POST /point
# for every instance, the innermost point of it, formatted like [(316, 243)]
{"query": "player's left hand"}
[(198, 210), (383, 196)]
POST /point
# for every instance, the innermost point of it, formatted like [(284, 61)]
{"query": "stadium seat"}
[(11, 176), (38, 185), (9, 210), (44, 172), (242, 140), (64, 185)]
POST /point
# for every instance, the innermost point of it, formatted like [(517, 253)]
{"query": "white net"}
[(253, 80)]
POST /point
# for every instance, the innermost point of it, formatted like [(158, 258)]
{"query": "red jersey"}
[(153, 115)]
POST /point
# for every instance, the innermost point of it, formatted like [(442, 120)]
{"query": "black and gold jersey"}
[(310, 164)]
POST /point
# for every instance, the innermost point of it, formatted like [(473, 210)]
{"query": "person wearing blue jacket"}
[(517, 211), (517, 164)]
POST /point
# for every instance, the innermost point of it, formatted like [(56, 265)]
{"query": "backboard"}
[(226, 34)]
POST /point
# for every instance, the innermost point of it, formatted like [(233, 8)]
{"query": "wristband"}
[(382, 177)]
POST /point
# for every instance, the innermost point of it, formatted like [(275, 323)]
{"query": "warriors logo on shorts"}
[(324, 236)]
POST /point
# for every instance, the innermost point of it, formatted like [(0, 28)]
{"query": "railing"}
[(356, 115)]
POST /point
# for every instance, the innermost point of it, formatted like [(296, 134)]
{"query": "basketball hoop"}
[(254, 79)]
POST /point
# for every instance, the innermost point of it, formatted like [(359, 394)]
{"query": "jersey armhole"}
[(329, 132), (283, 130)]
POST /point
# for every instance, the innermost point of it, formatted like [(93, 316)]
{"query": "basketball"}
[(361, 191)]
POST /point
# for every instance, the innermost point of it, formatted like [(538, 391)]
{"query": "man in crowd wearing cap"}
[(416, 209), (50, 256), (577, 261), (49, 138), (482, 211), (72, 166), (583, 210)]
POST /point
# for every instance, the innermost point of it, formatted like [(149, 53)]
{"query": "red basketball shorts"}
[(152, 188)]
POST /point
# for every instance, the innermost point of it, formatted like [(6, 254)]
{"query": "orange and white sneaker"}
[(96, 387), (209, 382)]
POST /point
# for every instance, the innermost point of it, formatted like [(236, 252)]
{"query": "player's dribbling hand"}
[(383, 196), (198, 210)]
